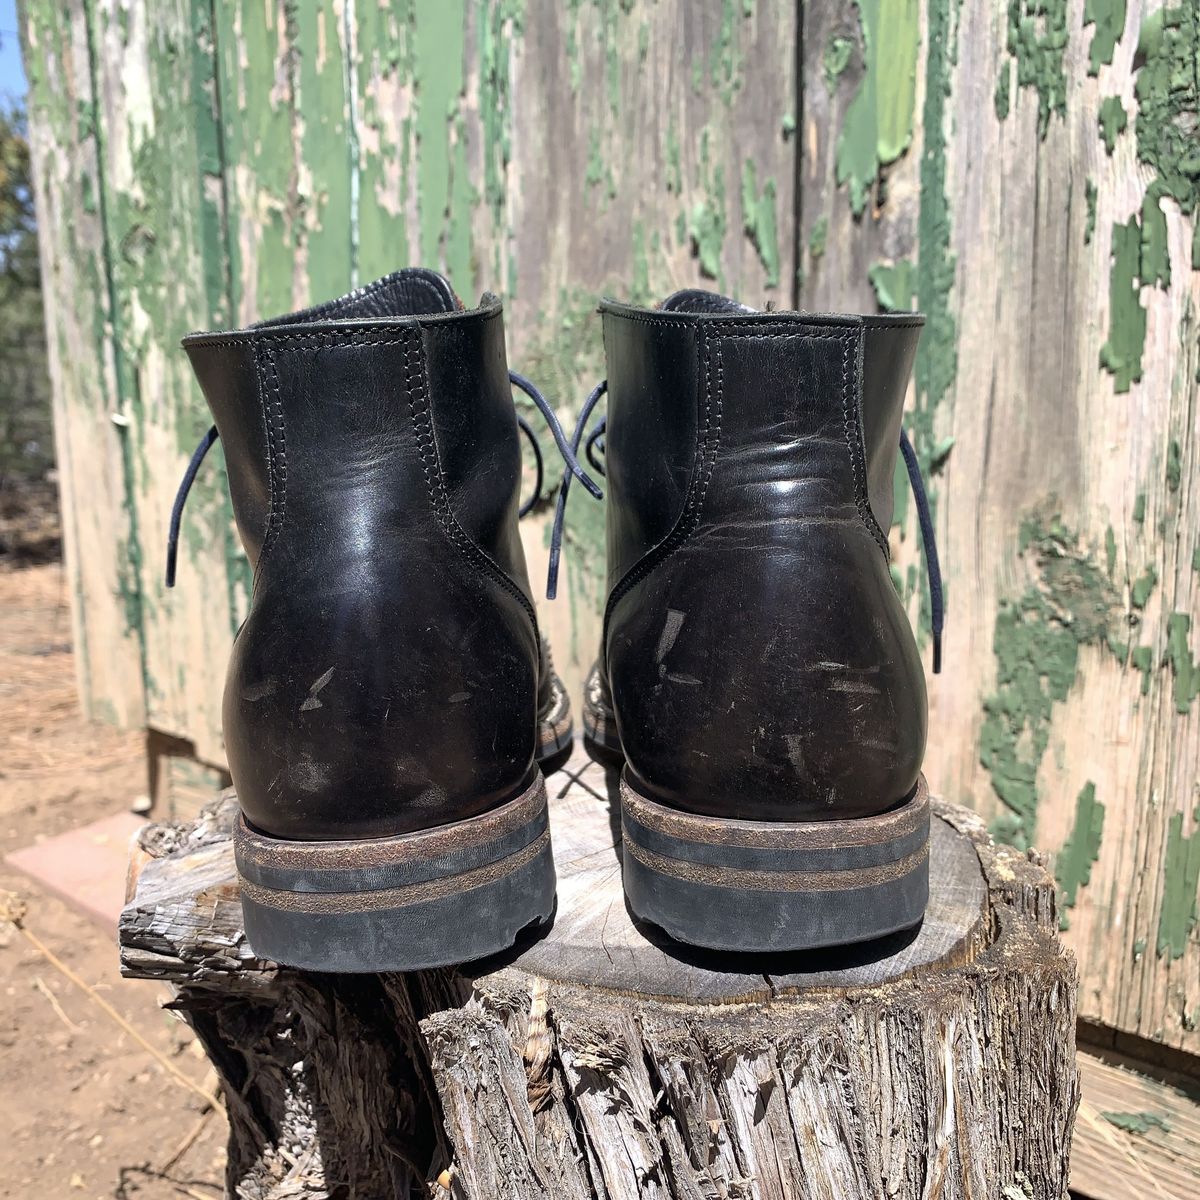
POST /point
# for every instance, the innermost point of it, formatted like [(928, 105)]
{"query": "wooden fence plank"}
[(1063, 483), (100, 532), (628, 149), (164, 218)]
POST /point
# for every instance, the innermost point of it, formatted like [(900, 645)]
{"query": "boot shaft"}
[(349, 426), (747, 416)]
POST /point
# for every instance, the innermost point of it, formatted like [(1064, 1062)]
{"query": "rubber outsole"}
[(766, 886), (432, 898)]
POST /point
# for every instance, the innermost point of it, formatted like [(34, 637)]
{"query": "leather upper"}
[(386, 677), (760, 662)]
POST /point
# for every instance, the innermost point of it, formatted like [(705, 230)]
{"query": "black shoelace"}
[(560, 440), (595, 444)]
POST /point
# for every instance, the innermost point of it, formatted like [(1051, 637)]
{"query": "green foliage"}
[(26, 443)]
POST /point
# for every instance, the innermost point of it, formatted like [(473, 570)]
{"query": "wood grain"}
[(1136, 1134)]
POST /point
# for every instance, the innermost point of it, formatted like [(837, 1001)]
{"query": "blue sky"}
[(12, 77)]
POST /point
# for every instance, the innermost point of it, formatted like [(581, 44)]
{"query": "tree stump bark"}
[(601, 1061)]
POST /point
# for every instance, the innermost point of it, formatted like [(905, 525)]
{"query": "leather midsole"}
[(398, 862), (777, 854)]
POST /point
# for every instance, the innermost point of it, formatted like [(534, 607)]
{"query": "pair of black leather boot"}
[(389, 703)]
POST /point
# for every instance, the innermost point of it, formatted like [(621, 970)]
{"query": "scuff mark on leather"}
[(670, 632)]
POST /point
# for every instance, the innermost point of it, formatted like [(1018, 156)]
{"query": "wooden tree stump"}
[(602, 1062)]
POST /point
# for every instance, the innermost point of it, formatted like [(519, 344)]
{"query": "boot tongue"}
[(412, 292), (696, 300)]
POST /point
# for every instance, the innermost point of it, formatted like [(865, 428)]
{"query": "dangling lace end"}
[(937, 604), (556, 537), (525, 509), (185, 486)]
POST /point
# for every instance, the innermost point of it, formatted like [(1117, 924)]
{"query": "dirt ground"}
[(85, 1110)]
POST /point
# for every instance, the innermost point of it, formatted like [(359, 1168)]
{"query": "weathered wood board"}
[(1023, 172), (600, 1060), (1136, 1134), (91, 422), (957, 163)]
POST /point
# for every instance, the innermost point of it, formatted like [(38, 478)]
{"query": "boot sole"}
[(409, 902), (765, 886)]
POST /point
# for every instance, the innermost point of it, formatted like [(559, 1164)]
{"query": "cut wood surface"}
[(600, 1060)]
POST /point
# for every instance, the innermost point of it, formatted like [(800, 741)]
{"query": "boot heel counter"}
[(791, 703), (347, 716)]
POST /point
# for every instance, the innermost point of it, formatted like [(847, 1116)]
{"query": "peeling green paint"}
[(1185, 669), (1108, 16), (787, 126), (1139, 508), (1036, 642), (879, 119), (1167, 89), (1073, 868), (758, 218), (894, 284), (707, 220), (1155, 261), (1138, 1122), (1143, 587), (500, 26), (1142, 659), (1196, 559), (835, 60), (1110, 550), (1112, 121), (1174, 465), (817, 236), (641, 266), (725, 59), (940, 454), (674, 165), (1121, 354), (1036, 42), (320, 101), (1002, 99), (1181, 878), (1089, 195)]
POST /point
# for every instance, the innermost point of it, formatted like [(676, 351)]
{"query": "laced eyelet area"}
[(594, 446), (518, 381)]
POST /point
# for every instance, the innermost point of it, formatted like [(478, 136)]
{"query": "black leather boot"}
[(758, 672), (388, 701)]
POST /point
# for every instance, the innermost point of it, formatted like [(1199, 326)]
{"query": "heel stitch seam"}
[(417, 385), (693, 506)]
